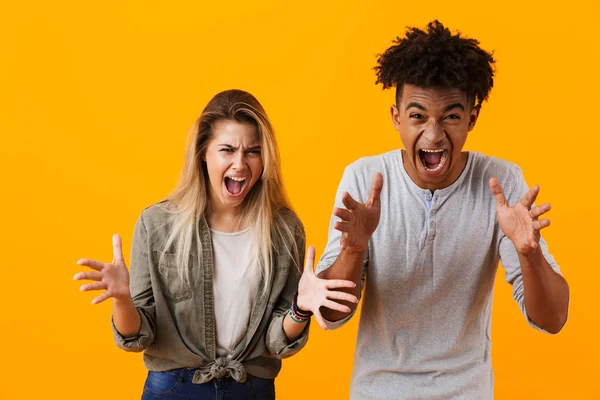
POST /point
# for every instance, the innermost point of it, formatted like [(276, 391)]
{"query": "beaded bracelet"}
[(297, 318), (298, 315)]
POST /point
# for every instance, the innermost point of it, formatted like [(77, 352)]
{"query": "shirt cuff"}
[(135, 343), (277, 341), (331, 325)]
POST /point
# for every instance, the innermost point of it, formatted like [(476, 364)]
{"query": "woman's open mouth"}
[(433, 160), (235, 185)]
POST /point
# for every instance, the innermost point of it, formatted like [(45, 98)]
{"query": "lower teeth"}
[(439, 166)]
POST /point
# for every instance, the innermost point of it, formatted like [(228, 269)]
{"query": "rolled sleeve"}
[(331, 325), (348, 183), (514, 276), (140, 286), (276, 340), (138, 342), (510, 258)]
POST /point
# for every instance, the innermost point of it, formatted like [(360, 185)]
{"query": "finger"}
[(101, 298), (93, 264), (92, 276), (332, 305), (349, 202), (537, 211), (341, 226), (530, 196), (310, 260), (342, 213), (117, 248), (339, 283), (498, 193), (338, 295), (376, 186), (541, 224), (320, 320), (93, 286)]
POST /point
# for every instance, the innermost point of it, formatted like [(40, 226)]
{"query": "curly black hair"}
[(437, 58)]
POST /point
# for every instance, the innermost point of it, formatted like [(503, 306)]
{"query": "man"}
[(426, 238)]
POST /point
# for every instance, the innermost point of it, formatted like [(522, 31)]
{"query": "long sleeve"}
[(276, 340), (141, 292), (508, 254), (348, 183)]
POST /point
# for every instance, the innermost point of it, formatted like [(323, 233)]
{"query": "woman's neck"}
[(224, 221)]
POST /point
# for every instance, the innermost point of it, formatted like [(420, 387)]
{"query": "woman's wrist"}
[(297, 314)]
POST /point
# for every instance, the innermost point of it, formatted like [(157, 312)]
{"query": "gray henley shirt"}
[(424, 329)]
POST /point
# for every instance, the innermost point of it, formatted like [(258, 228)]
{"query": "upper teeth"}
[(433, 151), (237, 179)]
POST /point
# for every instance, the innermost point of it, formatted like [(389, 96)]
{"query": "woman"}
[(215, 297)]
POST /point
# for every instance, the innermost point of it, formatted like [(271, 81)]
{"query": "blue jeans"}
[(177, 385)]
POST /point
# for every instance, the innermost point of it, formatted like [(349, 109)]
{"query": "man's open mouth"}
[(433, 160)]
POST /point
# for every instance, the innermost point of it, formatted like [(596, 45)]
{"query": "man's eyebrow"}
[(454, 105), (416, 105)]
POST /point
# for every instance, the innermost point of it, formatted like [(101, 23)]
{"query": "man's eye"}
[(452, 116), (416, 115)]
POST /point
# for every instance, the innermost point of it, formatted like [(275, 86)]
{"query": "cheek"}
[(215, 168), (257, 168), (408, 138), (458, 137)]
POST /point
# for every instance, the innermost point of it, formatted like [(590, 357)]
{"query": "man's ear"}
[(474, 116), (395, 114)]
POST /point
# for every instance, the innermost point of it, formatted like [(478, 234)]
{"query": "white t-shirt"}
[(236, 281)]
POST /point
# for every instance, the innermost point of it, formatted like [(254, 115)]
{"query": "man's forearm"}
[(347, 266), (546, 292)]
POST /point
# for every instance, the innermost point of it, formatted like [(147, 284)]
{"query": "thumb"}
[(320, 319), (309, 263), (498, 193), (117, 248), (376, 186)]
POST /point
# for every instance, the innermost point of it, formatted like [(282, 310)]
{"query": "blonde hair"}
[(263, 209)]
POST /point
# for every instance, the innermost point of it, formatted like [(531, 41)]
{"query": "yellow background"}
[(95, 103)]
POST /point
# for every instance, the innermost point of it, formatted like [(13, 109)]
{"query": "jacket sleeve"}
[(140, 286), (276, 340)]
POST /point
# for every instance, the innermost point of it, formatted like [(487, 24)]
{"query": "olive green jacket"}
[(178, 319)]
